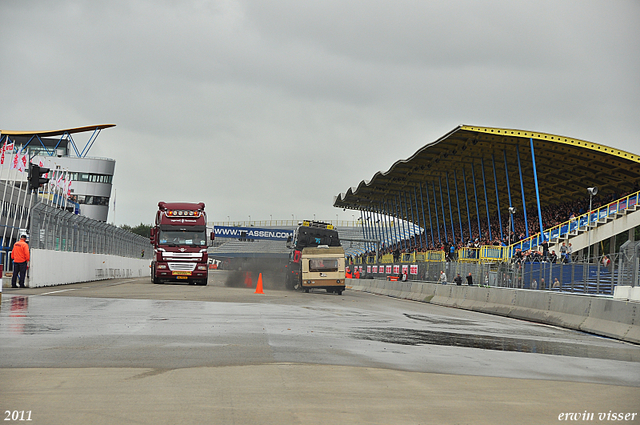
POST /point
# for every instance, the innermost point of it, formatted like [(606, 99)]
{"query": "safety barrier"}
[(601, 316), (50, 268)]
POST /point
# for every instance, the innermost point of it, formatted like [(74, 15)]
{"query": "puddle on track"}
[(413, 337)]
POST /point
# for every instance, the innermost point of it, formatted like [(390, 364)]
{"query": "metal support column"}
[(475, 193), (433, 241), (364, 234), (424, 222), (405, 214), (524, 204), (399, 215), (396, 225), (535, 179), (365, 227), (506, 173), (412, 227), (444, 217), (415, 196), (372, 226), (495, 181), (455, 177), (385, 236), (466, 197), (392, 229), (453, 231), (486, 200), (435, 206)]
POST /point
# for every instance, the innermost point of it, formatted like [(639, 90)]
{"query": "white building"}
[(91, 178)]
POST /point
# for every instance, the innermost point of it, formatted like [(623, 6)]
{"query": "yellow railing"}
[(435, 256), (387, 258), (408, 257), (468, 255), (491, 253)]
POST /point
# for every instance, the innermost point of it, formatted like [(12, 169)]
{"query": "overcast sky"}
[(271, 108)]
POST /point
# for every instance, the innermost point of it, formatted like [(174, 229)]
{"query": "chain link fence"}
[(598, 277), (629, 264), (59, 230)]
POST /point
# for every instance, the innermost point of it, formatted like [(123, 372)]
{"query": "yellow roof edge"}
[(46, 133), (553, 138)]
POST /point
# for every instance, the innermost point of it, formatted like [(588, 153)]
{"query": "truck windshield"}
[(182, 237), (323, 265)]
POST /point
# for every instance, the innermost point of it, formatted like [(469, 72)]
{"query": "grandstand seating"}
[(576, 230)]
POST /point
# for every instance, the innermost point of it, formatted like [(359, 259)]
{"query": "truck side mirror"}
[(212, 236), (152, 236)]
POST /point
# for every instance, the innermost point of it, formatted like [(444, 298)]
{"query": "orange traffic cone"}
[(259, 285), (247, 280)]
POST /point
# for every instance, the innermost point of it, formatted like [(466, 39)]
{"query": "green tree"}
[(141, 229)]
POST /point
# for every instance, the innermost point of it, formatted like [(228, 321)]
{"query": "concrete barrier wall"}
[(613, 318), (49, 268)]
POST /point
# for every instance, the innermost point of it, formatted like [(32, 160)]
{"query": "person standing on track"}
[(20, 257)]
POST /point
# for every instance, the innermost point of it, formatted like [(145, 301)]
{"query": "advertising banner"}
[(413, 269), (389, 269), (252, 233)]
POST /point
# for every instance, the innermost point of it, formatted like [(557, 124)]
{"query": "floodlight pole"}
[(592, 191), (512, 210), (509, 239)]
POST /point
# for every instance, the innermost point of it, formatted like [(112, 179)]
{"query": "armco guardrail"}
[(601, 316)]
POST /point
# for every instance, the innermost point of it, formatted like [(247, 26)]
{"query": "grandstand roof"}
[(565, 168), (37, 137), (50, 133)]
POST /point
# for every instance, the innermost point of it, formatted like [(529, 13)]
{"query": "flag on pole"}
[(16, 160), (5, 148), (23, 162)]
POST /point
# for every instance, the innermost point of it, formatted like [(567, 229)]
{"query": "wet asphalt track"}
[(117, 332)]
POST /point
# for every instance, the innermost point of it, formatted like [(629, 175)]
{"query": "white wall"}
[(50, 268)]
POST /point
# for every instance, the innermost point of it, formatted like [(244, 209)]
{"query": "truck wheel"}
[(203, 282), (339, 292)]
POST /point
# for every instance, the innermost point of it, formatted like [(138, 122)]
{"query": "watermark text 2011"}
[(17, 415)]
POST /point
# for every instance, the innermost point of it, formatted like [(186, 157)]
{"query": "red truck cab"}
[(179, 239)]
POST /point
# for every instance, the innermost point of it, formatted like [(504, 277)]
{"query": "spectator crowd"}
[(551, 216)]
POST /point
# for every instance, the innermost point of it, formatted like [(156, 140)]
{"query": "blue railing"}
[(575, 224)]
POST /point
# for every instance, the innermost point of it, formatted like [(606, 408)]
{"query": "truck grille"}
[(182, 267)]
